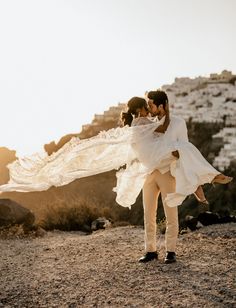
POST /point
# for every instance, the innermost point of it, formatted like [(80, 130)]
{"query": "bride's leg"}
[(200, 196), (222, 179)]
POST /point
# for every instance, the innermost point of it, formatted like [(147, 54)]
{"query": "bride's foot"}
[(203, 201), (200, 196), (222, 179)]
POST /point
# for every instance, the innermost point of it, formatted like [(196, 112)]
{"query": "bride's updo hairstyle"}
[(133, 104), (159, 98)]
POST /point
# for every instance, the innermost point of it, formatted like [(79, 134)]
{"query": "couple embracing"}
[(179, 170)]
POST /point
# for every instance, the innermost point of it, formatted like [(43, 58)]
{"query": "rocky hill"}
[(6, 157), (209, 100)]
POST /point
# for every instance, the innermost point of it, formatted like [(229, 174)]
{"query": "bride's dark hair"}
[(133, 104)]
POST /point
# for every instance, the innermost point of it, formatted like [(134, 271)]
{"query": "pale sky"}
[(63, 61)]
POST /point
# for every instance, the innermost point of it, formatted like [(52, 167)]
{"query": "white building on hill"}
[(228, 152)]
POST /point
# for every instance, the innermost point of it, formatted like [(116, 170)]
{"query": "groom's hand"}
[(175, 154)]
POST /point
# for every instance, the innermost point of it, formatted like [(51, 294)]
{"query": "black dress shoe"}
[(170, 257), (149, 256)]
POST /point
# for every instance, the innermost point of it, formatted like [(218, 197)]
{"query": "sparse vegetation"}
[(78, 215)]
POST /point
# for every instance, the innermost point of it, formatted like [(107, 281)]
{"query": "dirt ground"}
[(70, 269)]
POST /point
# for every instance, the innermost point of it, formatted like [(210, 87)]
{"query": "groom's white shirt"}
[(176, 131)]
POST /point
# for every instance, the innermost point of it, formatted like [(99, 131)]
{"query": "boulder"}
[(100, 223), (205, 219), (191, 223), (12, 213), (208, 218), (227, 219)]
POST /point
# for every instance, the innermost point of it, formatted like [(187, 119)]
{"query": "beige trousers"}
[(155, 184)]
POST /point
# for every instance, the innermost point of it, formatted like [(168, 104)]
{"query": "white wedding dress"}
[(137, 149)]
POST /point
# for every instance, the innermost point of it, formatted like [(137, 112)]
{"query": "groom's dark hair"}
[(159, 97)]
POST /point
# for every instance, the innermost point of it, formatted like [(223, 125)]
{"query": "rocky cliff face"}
[(6, 157)]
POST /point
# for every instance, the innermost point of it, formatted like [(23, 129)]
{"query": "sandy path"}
[(101, 270)]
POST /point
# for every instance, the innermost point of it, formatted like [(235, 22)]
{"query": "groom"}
[(162, 181)]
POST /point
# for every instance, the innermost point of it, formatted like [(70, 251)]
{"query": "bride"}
[(140, 147)]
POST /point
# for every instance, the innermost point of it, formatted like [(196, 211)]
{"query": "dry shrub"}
[(78, 215), (121, 223)]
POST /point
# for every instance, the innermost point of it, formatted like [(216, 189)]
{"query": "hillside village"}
[(202, 99)]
